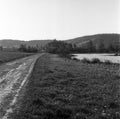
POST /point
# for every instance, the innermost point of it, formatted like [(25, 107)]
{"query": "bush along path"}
[(13, 77), (65, 89)]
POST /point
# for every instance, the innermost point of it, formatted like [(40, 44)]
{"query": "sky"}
[(57, 19)]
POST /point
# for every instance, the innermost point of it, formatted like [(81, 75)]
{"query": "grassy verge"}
[(66, 89), (9, 56)]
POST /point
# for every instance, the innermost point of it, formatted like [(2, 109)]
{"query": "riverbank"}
[(102, 57), (66, 89)]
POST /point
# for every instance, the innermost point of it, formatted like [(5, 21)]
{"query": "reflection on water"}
[(102, 57)]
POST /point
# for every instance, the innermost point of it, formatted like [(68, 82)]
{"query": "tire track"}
[(12, 82)]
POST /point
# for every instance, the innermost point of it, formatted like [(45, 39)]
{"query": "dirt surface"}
[(13, 76)]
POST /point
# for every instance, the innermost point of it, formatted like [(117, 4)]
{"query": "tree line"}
[(30, 49), (58, 47), (101, 48), (61, 47)]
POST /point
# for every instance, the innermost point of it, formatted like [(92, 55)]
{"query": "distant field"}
[(66, 89), (9, 56)]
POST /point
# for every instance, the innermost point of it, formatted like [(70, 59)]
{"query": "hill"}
[(8, 43), (40, 43), (106, 39)]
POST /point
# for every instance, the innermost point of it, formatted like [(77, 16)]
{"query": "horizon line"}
[(60, 39)]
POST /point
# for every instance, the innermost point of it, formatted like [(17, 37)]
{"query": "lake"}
[(102, 57)]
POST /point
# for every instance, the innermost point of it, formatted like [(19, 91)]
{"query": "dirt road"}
[(13, 76)]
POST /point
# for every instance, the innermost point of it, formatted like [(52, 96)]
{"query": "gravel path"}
[(13, 76)]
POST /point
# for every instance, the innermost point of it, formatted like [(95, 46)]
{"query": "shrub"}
[(108, 62), (75, 59), (95, 60), (85, 60), (68, 56)]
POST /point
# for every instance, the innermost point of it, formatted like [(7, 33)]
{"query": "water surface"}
[(102, 57)]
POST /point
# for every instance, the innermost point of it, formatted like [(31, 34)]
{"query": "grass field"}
[(67, 89), (9, 56)]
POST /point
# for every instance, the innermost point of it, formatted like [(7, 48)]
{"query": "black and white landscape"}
[(59, 59)]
